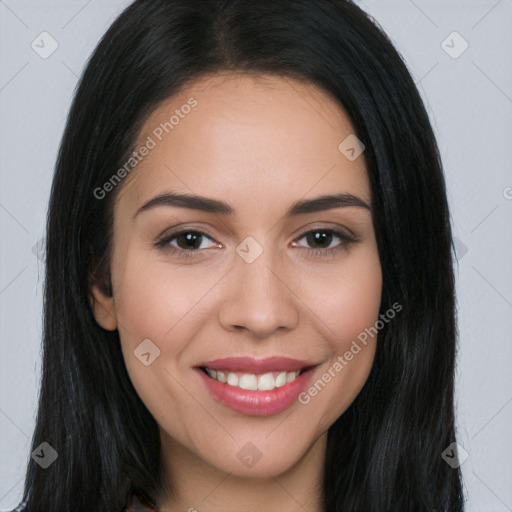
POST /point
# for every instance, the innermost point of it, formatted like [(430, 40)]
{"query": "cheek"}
[(154, 298), (346, 297), (148, 306), (355, 305), (348, 308), (164, 304), (152, 304)]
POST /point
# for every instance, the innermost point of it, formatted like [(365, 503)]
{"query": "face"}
[(261, 285)]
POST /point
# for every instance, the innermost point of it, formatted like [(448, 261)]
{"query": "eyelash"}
[(346, 240)]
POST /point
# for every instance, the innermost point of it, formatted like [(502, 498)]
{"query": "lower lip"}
[(257, 403)]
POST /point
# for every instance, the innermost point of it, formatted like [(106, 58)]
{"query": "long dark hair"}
[(384, 452)]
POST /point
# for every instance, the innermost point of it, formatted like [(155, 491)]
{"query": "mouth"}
[(256, 386), (252, 381)]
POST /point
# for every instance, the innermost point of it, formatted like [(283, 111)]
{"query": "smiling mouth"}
[(253, 381), (255, 386)]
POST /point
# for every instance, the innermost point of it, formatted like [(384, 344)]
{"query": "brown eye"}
[(184, 242), (189, 240), (325, 242), (319, 239)]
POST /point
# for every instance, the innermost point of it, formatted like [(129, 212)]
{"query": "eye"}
[(184, 242), (325, 242)]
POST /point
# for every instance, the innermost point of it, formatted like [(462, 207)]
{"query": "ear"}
[(104, 309), (102, 301)]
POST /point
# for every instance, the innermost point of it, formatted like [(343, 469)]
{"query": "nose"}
[(259, 298)]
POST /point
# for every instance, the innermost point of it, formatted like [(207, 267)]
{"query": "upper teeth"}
[(252, 382)]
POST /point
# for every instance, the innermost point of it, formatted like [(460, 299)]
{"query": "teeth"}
[(211, 373), (248, 381), (266, 382), (281, 380), (290, 376), (232, 379), (252, 382)]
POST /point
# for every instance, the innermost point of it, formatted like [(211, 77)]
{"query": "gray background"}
[(469, 98)]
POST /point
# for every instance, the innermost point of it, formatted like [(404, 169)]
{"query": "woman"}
[(249, 299)]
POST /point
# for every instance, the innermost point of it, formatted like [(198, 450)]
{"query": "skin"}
[(259, 144)]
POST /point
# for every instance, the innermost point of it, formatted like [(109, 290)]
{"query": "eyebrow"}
[(206, 204)]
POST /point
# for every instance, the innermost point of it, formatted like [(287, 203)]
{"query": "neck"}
[(200, 487)]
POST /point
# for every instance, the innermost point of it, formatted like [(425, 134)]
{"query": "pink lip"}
[(256, 403), (252, 365)]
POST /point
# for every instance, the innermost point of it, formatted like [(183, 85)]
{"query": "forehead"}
[(246, 138)]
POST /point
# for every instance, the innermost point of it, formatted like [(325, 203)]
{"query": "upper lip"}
[(252, 365)]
